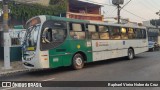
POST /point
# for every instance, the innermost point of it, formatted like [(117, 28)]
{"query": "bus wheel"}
[(130, 54), (78, 61)]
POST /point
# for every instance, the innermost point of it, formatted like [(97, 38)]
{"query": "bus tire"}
[(130, 54), (78, 61)]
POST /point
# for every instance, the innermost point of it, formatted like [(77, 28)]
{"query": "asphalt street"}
[(145, 67)]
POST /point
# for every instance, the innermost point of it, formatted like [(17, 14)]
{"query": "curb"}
[(12, 72), (18, 71)]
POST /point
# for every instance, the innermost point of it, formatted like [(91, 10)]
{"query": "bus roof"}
[(120, 25), (49, 17), (66, 19), (91, 22)]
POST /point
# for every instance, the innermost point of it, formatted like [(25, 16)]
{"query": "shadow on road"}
[(44, 72), (87, 65)]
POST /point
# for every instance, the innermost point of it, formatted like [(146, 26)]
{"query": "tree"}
[(155, 22), (22, 12)]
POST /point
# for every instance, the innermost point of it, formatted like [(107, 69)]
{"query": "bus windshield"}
[(31, 37)]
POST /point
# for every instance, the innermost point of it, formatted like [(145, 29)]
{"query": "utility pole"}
[(6, 36), (118, 13), (117, 3), (5, 15)]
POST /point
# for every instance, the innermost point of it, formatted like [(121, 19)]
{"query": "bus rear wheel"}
[(130, 54), (78, 62)]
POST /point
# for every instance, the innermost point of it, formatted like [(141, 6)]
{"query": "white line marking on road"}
[(49, 79)]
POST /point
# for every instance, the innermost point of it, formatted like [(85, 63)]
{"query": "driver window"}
[(53, 34), (47, 35)]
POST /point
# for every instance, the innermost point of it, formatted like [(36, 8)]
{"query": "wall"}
[(42, 2), (1, 53)]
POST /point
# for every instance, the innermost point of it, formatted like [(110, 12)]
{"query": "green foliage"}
[(53, 2), (26, 11)]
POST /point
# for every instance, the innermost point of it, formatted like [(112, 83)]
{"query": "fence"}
[(16, 38)]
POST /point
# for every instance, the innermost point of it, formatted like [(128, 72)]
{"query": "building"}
[(76, 9), (42, 2), (84, 10), (153, 31)]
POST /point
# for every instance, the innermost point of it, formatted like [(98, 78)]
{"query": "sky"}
[(139, 10)]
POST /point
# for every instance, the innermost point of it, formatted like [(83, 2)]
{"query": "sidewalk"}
[(16, 67)]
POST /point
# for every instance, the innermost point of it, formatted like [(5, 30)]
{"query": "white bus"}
[(159, 41), (52, 42)]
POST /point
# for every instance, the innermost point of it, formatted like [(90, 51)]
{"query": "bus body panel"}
[(92, 50), (62, 55), (82, 46), (44, 59), (107, 49), (36, 60)]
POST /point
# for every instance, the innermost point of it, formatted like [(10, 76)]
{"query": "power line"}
[(126, 4), (153, 1), (122, 9), (102, 4), (113, 11), (153, 4), (146, 6), (134, 14)]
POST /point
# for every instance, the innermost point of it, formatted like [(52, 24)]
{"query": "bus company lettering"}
[(99, 44), (14, 84), (55, 59), (89, 44)]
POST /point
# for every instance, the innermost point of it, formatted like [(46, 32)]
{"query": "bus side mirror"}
[(47, 35)]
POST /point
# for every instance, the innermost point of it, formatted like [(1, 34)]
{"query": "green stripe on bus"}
[(62, 55)]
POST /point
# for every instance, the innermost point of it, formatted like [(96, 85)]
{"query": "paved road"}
[(145, 67)]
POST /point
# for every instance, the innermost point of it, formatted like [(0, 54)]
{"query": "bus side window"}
[(144, 33), (131, 33), (124, 34), (93, 34), (115, 33), (138, 33), (103, 32), (58, 35), (77, 31)]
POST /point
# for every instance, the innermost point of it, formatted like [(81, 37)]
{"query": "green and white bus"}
[(52, 42)]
